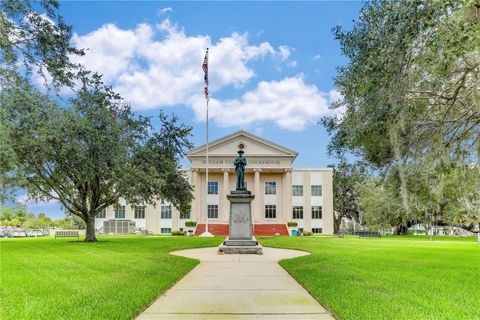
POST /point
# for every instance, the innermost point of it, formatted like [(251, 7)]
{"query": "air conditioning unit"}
[(118, 226)]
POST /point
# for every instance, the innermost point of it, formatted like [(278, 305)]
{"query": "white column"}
[(257, 205), (225, 210), (327, 194), (284, 217), (175, 218), (288, 215), (195, 214)]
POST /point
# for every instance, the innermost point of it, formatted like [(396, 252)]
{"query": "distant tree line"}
[(411, 95), (18, 216)]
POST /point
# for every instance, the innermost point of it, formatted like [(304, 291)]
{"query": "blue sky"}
[(271, 65)]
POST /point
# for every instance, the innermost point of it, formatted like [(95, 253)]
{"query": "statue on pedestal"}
[(240, 164), (240, 231)]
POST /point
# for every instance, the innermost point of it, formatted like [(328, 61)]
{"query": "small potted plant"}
[(190, 226), (292, 228)]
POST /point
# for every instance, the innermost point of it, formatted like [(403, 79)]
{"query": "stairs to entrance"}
[(215, 229), (258, 229), (270, 230)]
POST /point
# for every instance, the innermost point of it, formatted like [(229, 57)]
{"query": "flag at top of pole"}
[(205, 69)]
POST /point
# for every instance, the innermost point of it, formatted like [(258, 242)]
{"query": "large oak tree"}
[(91, 153), (411, 85), (87, 151), (410, 92), (346, 178)]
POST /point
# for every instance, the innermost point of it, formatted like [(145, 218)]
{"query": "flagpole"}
[(205, 69), (206, 178)]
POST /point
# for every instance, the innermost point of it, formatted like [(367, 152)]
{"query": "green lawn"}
[(115, 278), (388, 278)]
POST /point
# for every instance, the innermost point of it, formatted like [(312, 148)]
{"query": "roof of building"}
[(286, 151)]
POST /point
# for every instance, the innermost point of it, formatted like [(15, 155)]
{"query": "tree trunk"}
[(478, 233), (337, 221), (90, 233), (400, 229)]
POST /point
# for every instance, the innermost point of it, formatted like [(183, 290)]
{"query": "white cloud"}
[(22, 198), (292, 63), (111, 51), (164, 11), (290, 103), (258, 131), (159, 66), (26, 200), (335, 96), (317, 57), (284, 52), (153, 73)]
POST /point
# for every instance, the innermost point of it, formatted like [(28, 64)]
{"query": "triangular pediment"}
[(253, 146)]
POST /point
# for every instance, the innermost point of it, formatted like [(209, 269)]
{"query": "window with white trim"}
[(212, 187), (270, 211), (212, 210), (316, 190), (270, 187), (317, 230), (297, 212), (120, 212), (316, 212), (102, 214), (165, 230), (166, 212), (139, 212), (184, 215), (297, 191)]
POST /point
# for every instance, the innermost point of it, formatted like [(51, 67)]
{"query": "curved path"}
[(237, 287)]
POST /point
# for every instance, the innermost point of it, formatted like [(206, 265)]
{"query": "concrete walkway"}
[(237, 287)]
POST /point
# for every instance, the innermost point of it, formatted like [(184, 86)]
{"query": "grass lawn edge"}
[(369, 273), (296, 279), (172, 284), (111, 264)]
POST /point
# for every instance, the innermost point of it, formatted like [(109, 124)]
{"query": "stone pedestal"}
[(240, 238)]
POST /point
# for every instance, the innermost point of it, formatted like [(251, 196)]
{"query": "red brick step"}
[(258, 229), (215, 229), (270, 230)]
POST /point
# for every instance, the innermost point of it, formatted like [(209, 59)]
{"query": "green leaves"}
[(415, 63), (346, 177), (93, 152), (411, 94), (35, 39), (88, 151)]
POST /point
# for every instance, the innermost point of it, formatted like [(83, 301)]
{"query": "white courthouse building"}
[(282, 193)]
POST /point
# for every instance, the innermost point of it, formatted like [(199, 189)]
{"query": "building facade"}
[(282, 193)]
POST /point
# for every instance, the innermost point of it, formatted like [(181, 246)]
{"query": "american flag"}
[(205, 69)]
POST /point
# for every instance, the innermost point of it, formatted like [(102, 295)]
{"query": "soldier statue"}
[(240, 164)]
